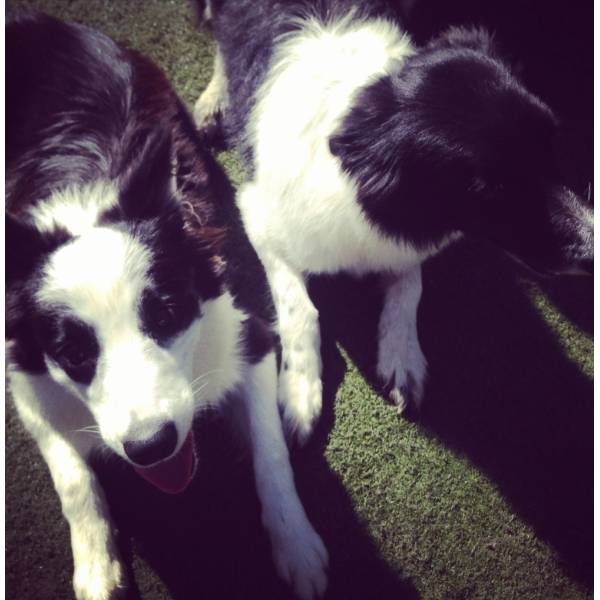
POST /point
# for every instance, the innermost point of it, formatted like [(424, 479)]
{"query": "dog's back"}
[(369, 153), (68, 90)]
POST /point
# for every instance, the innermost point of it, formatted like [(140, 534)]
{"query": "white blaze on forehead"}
[(76, 208), (100, 275)]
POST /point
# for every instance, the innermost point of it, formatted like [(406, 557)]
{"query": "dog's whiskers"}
[(92, 429), (198, 390), (200, 377)]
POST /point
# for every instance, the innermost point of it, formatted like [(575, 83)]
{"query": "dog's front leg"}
[(298, 552), (300, 388), (55, 419), (400, 361)]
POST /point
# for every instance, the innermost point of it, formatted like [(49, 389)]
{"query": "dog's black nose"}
[(155, 448)]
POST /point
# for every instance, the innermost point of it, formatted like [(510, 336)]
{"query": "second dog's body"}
[(368, 154)]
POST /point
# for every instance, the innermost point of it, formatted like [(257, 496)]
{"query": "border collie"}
[(134, 300), (368, 154)]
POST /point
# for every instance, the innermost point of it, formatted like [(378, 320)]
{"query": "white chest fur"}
[(301, 204)]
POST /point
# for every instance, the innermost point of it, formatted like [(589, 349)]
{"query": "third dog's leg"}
[(213, 100), (53, 420), (400, 361), (300, 388), (299, 554)]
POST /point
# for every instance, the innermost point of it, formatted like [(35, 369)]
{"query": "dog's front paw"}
[(300, 396), (98, 575), (301, 560), (403, 381)]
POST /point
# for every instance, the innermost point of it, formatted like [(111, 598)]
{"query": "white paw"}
[(97, 578), (98, 572), (300, 393), (301, 560), (403, 375)]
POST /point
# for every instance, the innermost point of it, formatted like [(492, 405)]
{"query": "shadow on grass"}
[(209, 543), (501, 390)]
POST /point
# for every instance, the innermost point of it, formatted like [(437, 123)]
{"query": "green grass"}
[(487, 496)]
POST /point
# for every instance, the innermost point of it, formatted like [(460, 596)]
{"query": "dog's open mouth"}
[(173, 475)]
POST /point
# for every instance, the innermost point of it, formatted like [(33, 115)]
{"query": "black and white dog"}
[(133, 297), (368, 154)]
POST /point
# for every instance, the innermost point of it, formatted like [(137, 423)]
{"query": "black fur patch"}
[(21, 314), (166, 312), (450, 143), (67, 99), (70, 343), (258, 339), (26, 251), (145, 184), (26, 247), (451, 130), (81, 109)]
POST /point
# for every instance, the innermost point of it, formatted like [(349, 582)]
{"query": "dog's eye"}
[(161, 316), (71, 343), (164, 316), (76, 355)]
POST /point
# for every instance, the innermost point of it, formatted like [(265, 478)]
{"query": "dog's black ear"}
[(369, 139), (145, 186), (474, 38), (26, 246), (480, 40)]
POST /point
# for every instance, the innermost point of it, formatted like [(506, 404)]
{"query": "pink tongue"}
[(173, 475)]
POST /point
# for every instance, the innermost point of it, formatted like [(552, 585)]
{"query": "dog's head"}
[(108, 302), (453, 142)]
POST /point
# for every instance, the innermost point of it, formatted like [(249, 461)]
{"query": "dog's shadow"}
[(501, 390), (209, 543)]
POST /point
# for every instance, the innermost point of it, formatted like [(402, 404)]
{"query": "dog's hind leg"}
[(55, 420), (209, 107), (400, 361), (298, 552)]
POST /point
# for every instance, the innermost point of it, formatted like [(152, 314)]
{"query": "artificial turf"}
[(488, 495)]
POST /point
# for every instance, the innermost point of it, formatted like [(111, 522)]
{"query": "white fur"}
[(75, 208), (55, 418), (138, 385), (299, 192), (217, 350), (298, 552), (400, 360), (301, 210), (99, 277), (300, 389), (214, 98), (207, 11)]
